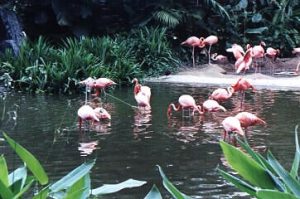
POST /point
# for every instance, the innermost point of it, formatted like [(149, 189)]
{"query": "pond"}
[(133, 143)]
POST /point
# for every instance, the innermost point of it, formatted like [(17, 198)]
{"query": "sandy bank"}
[(213, 75)]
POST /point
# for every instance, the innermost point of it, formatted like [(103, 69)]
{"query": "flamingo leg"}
[(209, 54), (193, 56), (224, 135), (79, 123)]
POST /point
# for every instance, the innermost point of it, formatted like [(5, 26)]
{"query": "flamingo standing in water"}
[(241, 86), (142, 94), (232, 124), (243, 63), (248, 119), (222, 94), (210, 40), (97, 84), (102, 114), (185, 102), (85, 113), (194, 42), (212, 106)]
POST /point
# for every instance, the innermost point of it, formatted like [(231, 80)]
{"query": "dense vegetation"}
[(135, 38), (41, 66)]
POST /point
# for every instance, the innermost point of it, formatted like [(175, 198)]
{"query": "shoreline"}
[(213, 75)]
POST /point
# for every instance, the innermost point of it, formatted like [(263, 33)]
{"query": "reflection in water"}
[(142, 121), (87, 148)]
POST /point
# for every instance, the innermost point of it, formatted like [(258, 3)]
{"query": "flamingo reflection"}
[(142, 121)]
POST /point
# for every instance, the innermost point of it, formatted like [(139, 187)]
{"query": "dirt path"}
[(223, 75)]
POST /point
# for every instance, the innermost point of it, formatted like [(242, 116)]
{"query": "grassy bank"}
[(43, 67)]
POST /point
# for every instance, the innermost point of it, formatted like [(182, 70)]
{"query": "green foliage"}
[(267, 177), (42, 67), (76, 184)]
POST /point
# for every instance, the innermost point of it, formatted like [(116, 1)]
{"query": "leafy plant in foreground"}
[(76, 184), (262, 177)]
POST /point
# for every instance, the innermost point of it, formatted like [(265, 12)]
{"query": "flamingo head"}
[(200, 109), (135, 81), (230, 89), (201, 42), (263, 44)]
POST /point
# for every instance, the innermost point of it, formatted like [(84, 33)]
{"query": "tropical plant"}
[(76, 184), (262, 177)]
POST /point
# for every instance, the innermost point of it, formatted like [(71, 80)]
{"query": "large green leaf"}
[(170, 187), (154, 193), (248, 168), (72, 177), (80, 189), (5, 192), (3, 171), (295, 166), (112, 188), (242, 185), (265, 193), (31, 162), (291, 183)]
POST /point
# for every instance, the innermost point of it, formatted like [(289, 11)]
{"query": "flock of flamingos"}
[(186, 103)]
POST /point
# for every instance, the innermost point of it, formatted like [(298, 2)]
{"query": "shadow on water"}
[(134, 141)]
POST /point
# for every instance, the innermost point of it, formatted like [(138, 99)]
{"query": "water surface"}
[(134, 142)]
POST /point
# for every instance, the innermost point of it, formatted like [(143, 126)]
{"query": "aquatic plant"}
[(76, 184), (262, 177)]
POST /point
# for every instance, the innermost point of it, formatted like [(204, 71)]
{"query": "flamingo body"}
[(242, 85), (237, 51), (212, 106), (243, 63), (85, 113), (185, 102), (232, 124), (272, 53), (142, 94), (248, 119), (222, 94)]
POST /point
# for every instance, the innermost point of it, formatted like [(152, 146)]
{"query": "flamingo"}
[(222, 94), (101, 113), (243, 63), (242, 85), (210, 40), (272, 54), (142, 94), (86, 112), (219, 58), (248, 119), (232, 124), (185, 102), (212, 106), (97, 84), (192, 41), (237, 51), (258, 52)]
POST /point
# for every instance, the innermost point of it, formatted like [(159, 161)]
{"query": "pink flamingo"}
[(212, 106), (142, 94), (102, 114), (272, 54), (222, 94), (86, 112), (243, 63), (185, 102), (296, 51), (192, 41), (248, 119), (232, 124), (237, 51), (97, 84), (210, 40), (221, 59), (258, 52), (241, 86)]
